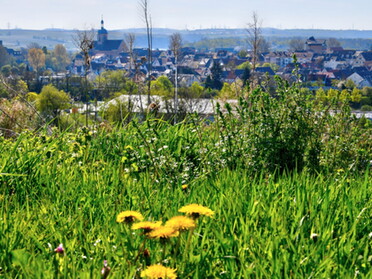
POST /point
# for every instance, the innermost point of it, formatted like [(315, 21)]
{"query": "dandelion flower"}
[(195, 210), (146, 226), (129, 216), (159, 272), (163, 232), (181, 223), (184, 187)]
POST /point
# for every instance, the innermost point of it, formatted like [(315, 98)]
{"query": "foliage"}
[(16, 116), (51, 101), (36, 58), (244, 65), (162, 86), (214, 80), (4, 56), (116, 111)]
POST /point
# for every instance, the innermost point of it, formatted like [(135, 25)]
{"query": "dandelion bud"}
[(105, 270)]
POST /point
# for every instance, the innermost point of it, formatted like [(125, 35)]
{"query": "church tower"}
[(102, 34)]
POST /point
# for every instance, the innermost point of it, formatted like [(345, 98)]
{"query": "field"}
[(69, 188), (282, 187)]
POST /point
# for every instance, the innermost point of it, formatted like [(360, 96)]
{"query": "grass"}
[(69, 188)]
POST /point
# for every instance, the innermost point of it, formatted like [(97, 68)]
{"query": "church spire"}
[(102, 22)]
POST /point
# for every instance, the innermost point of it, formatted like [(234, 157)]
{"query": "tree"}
[(356, 95), (4, 56), (333, 42), (196, 90), (246, 76), (84, 41), (130, 39), (111, 82), (255, 38), (51, 101), (216, 75), (61, 58), (36, 58), (162, 86), (243, 53), (175, 44), (296, 44), (264, 46)]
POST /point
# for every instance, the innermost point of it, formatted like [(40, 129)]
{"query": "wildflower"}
[(195, 210), (159, 272), (129, 216), (105, 271), (184, 187), (163, 232), (59, 250), (146, 226), (181, 223)]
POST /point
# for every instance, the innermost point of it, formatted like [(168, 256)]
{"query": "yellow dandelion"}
[(195, 210), (181, 223), (163, 232), (158, 271), (184, 187), (129, 216), (146, 226)]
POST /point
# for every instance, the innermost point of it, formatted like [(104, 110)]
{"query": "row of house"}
[(317, 63)]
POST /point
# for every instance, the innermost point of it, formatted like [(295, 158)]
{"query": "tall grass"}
[(289, 184), (69, 188)]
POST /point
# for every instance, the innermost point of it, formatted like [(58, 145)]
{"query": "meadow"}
[(285, 190)]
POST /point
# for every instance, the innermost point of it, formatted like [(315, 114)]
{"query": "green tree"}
[(321, 96), (216, 75), (245, 65), (196, 90), (111, 82), (6, 70), (231, 91), (162, 86), (274, 67), (51, 101), (356, 95)]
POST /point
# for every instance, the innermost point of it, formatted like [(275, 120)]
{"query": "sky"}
[(186, 14)]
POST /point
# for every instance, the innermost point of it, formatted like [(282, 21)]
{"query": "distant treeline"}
[(275, 43)]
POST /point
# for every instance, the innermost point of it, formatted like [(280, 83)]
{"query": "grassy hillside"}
[(276, 188)]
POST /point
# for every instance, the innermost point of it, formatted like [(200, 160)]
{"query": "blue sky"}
[(191, 14)]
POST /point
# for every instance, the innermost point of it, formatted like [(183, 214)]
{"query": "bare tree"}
[(255, 38), (146, 17), (130, 39), (84, 41), (297, 44), (175, 44)]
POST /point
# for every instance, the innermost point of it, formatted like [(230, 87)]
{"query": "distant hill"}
[(17, 38)]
